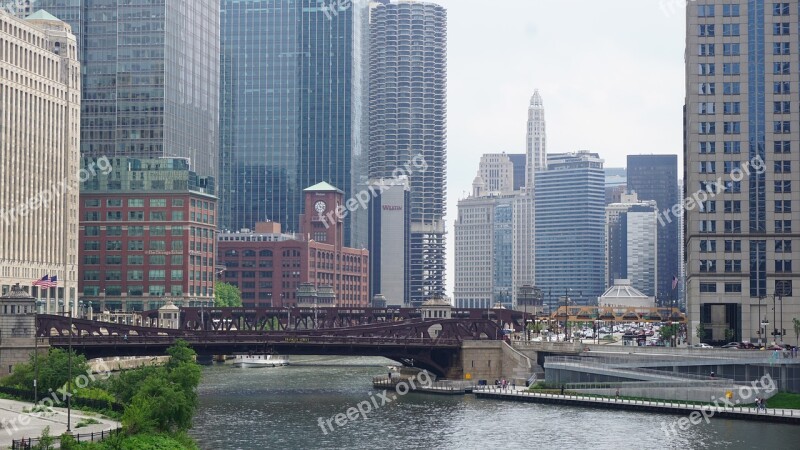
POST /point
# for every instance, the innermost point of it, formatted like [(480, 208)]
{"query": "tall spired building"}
[(407, 119), (537, 138), (293, 114)]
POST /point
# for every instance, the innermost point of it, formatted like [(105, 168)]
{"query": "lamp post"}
[(761, 320), (69, 378), (774, 319)]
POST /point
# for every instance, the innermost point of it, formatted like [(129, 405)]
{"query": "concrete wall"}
[(493, 360), (101, 365), (14, 351), (692, 394)]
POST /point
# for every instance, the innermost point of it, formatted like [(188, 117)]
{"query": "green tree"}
[(796, 323), (729, 335), (53, 371), (700, 331), (668, 332), (227, 295)]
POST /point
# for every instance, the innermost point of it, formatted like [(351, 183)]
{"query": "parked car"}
[(734, 345), (702, 345)]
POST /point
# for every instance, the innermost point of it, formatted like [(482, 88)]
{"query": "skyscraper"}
[(150, 77), (407, 117), (536, 137), (570, 217), (741, 167), (39, 156), (631, 243), (655, 177), (293, 94)]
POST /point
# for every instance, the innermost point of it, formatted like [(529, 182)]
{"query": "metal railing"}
[(28, 443)]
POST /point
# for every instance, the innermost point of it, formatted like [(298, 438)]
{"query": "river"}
[(280, 408)]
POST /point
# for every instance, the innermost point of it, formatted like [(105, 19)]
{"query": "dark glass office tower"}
[(407, 119), (655, 177), (292, 93), (150, 77)]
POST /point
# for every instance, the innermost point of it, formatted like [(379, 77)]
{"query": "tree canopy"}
[(227, 295)]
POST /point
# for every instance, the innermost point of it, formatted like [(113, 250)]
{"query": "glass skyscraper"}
[(149, 77), (407, 118), (292, 114), (570, 227)]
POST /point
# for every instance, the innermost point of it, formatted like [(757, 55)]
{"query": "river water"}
[(280, 408)]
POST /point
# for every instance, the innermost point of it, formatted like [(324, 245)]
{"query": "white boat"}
[(250, 361)]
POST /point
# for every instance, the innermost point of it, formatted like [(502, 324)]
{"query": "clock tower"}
[(323, 216)]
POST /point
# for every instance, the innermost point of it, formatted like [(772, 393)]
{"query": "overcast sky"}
[(610, 73)]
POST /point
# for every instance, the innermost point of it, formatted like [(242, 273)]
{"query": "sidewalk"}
[(11, 416)]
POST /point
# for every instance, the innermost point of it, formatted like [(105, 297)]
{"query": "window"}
[(781, 48), (783, 266), (176, 275), (92, 203), (733, 266), (91, 260), (177, 216), (135, 245), (733, 49), (158, 203), (783, 226), (135, 260), (707, 88), (708, 246), (135, 275), (781, 87), (113, 231), (158, 245), (782, 107), (157, 260), (136, 231), (731, 69), (730, 29), (709, 206), (92, 231), (783, 186), (733, 246), (780, 9), (156, 291), (177, 202), (733, 288), (708, 167), (782, 127), (782, 146), (733, 206), (781, 29), (176, 260), (707, 128), (783, 288), (708, 226), (705, 30), (135, 203), (706, 50), (730, 166), (732, 147), (708, 265), (732, 127), (705, 10), (731, 88), (733, 187), (783, 206), (114, 216), (784, 246), (158, 231), (730, 10), (708, 148), (707, 108), (731, 108), (156, 275), (113, 260), (706, 69), (158, 216), (114, 246), (781, 68), (136, 215), (706, 288), (783, 167), (733, 226), (176, 230), (177, 245)]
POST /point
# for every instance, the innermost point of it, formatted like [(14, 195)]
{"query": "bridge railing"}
[(233, 338)]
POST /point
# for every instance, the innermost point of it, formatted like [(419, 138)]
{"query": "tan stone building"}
[(39, 154)]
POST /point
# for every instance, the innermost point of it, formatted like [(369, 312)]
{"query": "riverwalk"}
[(773, 415), (17, 422)]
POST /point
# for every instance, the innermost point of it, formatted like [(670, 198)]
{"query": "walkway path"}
[(742, 413), (16, 424)]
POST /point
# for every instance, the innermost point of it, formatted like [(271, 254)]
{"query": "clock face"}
[(320, 207)]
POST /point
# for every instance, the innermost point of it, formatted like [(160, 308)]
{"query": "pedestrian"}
[(758, 405), (514, 385), (562, 389), (617, 394)]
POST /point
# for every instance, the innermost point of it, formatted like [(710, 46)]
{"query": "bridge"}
[(400, 334)]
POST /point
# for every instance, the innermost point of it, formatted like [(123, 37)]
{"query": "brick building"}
[(147, 235), (269, 266)]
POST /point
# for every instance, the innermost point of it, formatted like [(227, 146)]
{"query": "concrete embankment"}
[(101, 365), (657, 407)]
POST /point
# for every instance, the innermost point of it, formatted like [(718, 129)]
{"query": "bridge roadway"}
[(433, 344)]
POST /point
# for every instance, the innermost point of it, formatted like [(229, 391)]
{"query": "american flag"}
[(47, 282), (674, 282)]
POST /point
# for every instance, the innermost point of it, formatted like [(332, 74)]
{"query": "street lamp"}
[(69, 377)]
